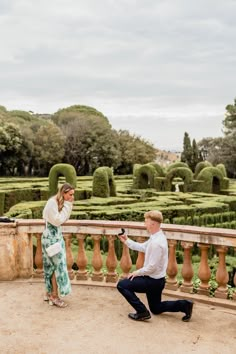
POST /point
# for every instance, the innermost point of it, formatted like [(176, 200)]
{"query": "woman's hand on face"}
[(69, 196)]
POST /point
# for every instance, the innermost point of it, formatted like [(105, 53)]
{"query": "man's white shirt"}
[(156, 255)]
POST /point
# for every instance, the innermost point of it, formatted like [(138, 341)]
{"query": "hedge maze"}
[(205, 198), (207, 179)]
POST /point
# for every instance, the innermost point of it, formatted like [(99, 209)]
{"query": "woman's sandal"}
[(46, 297), (57, 302)]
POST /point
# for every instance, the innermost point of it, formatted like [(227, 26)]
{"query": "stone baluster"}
[(82, 259), (38, 259), (125, 262), (172, 268), (69, 255), (141, 255), (187, 269), (97, 262), (111, 262), (204, 272), (234, 295), (222, 276)]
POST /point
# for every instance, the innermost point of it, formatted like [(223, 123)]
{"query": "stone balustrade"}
[(17, 259)]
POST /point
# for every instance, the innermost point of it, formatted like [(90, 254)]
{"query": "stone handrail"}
[(17, 258)]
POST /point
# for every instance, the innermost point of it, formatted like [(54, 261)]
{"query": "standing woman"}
[(56, 211)]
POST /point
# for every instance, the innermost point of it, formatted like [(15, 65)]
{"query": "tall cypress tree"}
[(197, 157), (190, 154), (187, 153)]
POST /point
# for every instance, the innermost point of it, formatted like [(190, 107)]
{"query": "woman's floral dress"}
[(56, 263)]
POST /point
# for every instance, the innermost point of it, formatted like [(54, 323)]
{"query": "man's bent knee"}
[(122, 284)]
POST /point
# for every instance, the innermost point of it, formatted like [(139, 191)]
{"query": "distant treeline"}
[(30, 143)]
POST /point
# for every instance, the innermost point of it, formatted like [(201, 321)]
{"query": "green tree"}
[(191, 154), (11, 142), (48, 148), (187, 153), (223, 149), (227, 148), (90, 141), (211, 149), (133, 150), (197, 157), (229, 122)]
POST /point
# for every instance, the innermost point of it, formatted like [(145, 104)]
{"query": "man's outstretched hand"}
[(123, 237)]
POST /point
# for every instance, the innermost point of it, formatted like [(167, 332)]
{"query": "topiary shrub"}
[(61, 169), (158, 168), (159, 184), (225, 183), (144, 177), (212, 178), (184, 173), (136, 166), (176, 165), (103, 183), (200, 166), (222, 168)]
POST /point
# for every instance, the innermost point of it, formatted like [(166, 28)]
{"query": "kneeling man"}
[(150, 279)]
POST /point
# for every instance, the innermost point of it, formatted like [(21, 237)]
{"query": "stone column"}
[(97, 262), (82, 260), (125, 262), (187, 269), (8, 252), (204, 272), (111, 262), (222, 276), (141, 255), (172, 268), (69, 255), (25, 255), (38, 259)]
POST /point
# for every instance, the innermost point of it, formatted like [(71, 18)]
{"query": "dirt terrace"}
[(96, 322)]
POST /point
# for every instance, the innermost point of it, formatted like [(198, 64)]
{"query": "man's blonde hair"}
[(154, 215)]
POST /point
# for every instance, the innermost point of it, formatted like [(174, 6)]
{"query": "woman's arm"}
[(55, 217)]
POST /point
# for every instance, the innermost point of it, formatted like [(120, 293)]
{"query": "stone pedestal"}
[(8, 252)]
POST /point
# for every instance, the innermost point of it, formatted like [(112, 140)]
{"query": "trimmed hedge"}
[(159, 183), (103, 183), (184, 173), (212, 178), (144, 177), (158, 168), (222, 168), (177, 165), (200, 166), (61, 169)]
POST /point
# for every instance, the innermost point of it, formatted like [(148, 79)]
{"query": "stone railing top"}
[(214, 236)]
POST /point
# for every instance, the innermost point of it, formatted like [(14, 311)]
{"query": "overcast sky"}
[(157, 68)]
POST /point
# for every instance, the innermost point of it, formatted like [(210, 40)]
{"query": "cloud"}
[(127, 58)]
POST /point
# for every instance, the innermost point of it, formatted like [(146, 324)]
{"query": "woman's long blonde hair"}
[(66, 187)]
